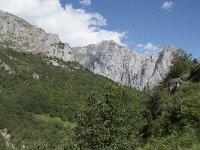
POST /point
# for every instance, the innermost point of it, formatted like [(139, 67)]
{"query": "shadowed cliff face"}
[(106, 58)]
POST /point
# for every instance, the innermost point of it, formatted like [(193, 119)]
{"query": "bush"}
[(109, 121), (175, 141), (2, 143), (181, 66), (195, 73)]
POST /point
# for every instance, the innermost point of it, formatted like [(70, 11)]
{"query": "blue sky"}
[(145, 21), (141, 25)]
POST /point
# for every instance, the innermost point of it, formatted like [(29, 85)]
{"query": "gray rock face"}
[(22, 36), (7, 137), (106, 58), (35, 76), (124, 66), (174, 84)]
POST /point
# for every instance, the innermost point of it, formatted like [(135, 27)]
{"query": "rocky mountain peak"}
[(169, 47), (106, 58), (22, 36), (125, 66)]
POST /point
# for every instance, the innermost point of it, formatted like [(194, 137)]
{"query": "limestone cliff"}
[(125, 66), (106, 58), (21, 36)]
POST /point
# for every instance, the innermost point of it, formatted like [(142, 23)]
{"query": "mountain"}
[(43, 100), (106, 58), (125, 66), (40, 101), (48, 101), (21, 36)]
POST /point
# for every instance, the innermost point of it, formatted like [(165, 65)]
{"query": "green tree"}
[(181, 66), (109, 121), (195, 73)]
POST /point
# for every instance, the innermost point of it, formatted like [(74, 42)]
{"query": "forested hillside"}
[(174, 114), (39, 101), (48, 104)]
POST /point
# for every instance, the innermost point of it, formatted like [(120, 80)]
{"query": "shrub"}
[(181, 66), (109, 121)]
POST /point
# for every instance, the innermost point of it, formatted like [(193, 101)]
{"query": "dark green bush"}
[(110, 121), (181, 66)]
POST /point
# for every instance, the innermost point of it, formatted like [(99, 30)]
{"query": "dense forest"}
[(48, 104)]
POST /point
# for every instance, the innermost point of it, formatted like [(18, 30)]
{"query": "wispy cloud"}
[(148, 48), (168, 5), (85, 2), (74, 26)]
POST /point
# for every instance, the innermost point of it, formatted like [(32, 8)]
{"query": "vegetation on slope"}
[(111, 120), (36, 112), (40, 114), (71, 108), (174, 118)]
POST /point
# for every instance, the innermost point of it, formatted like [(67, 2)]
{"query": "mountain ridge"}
[(106, 58), (125, 66)]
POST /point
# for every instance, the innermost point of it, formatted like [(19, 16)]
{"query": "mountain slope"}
[(39, 102), (40, 98), (106, 58), (22, 36), (66, 84)]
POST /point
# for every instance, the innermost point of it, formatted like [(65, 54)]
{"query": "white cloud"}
[(85, 2), (168, 5), (140, 45), (148, 48), (74, 26)]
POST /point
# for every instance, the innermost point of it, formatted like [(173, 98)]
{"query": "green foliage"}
[(58, 112), (195, 73), (110, 121), (173, 120), (182, 65), (2, 143), (61, 45), (175, 141), (55, 121), (58, 93)]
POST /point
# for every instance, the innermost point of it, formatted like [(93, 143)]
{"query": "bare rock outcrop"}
[(106, 58), (35, 76), (7, 137), (21, 36), (125, 66), (174, 84), (6, 67)]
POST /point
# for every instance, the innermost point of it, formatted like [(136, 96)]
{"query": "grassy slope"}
[(40, 113)]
